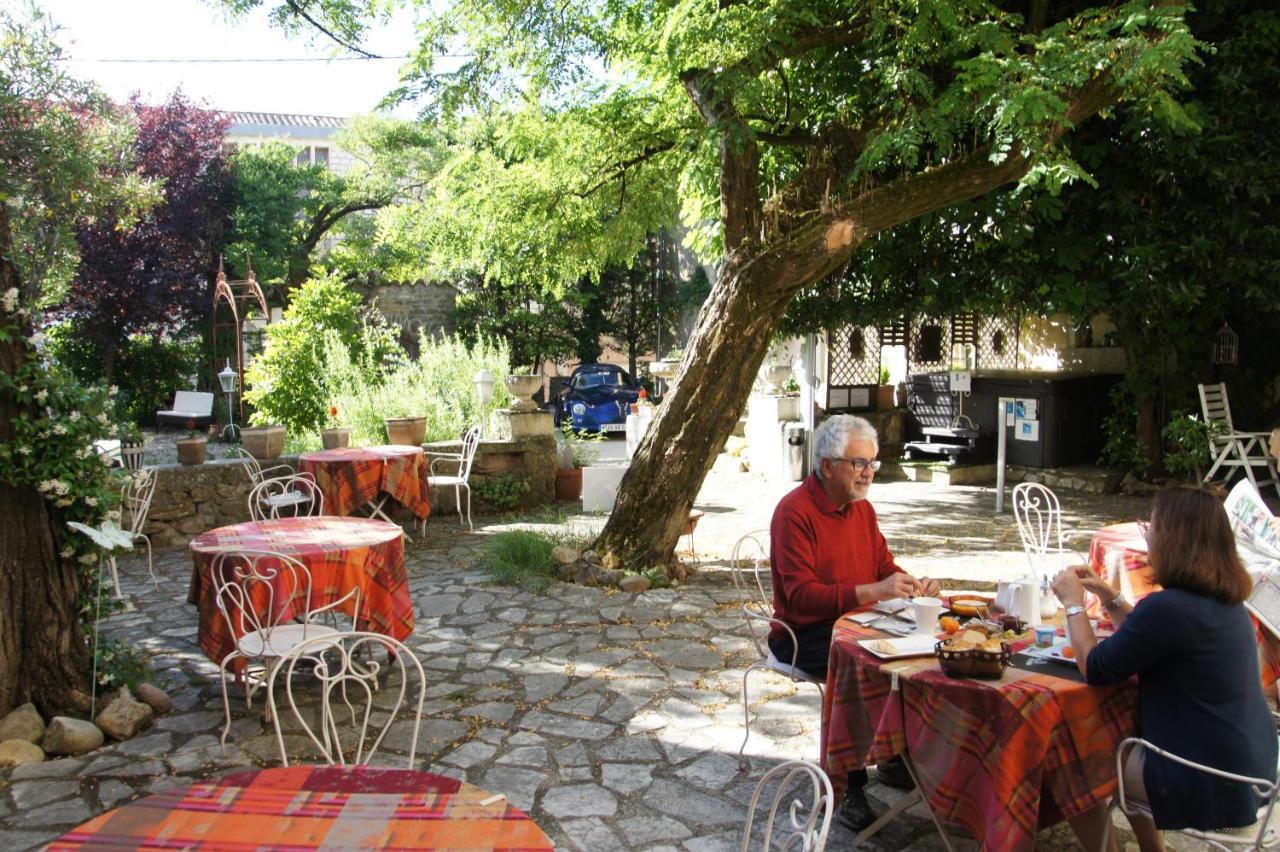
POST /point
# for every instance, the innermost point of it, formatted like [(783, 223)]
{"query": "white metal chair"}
[(258, 475), (1232, 449), (336, 666), (809, 824), (1261, 835), (1039, 517), (266, 600), (135, 504), (463, 461), (286, 497), (753, 580)]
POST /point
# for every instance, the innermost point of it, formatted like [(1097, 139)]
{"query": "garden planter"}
[(335, 438), (569, 483), (523, 388), (193, 450), (131, 454), (884, 397), (410, 431), (664, 369), (263, 442)]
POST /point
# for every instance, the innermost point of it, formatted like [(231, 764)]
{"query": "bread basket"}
[(985, 665)]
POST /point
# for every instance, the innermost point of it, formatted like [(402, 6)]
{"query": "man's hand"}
[(896, 585), (928, 587)]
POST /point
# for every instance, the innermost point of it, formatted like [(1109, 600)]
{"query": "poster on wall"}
[(1026, 409), (1008, 413), (1026, 430)]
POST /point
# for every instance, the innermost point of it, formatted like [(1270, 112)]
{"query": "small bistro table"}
[(340, 553), (351, 477), (315, 807)]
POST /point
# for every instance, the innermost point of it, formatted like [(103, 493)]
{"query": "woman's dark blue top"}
[(1200, 697)]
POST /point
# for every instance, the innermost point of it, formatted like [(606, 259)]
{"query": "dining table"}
[(1001, 758), (315, 807), (340, 553), (354, 477)]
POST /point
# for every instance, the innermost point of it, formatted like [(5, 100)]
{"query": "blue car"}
[(598, 399)]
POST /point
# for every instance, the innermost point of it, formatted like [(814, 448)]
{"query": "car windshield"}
[(595, 380)]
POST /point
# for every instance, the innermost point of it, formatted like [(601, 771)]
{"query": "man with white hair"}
[(828, 557)]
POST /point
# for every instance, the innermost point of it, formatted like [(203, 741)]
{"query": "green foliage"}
[(500, 492), (1122, 449), (1186, 439), (585, 446), (520, 557), (121, 663), (288, 382)]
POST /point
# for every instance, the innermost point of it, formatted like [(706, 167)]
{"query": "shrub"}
[(502, 492), (520, 557), (1186, 439)]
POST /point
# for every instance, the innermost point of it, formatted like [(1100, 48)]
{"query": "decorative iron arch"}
[(232, 301)]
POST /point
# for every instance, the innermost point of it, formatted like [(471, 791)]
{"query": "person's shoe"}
[(893, 773), (855, 811)]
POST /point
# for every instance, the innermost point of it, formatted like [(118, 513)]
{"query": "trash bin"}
[(793, 450)]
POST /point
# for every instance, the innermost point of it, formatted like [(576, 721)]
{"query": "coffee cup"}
[(926, 612)]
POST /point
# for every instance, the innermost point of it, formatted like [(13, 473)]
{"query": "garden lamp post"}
[(484, 392), (227, 378)]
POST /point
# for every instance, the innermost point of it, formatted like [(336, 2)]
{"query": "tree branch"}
[(302, 13)]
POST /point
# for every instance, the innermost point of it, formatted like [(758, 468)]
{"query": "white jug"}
[(1026, 601), (1004, 596)]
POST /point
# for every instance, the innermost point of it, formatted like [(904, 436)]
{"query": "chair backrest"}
[(255, 470), (135, 500), (808, 823), (259, 591), (295, 496), (470, 442), (1215, 408), (1039, 517), (196, 403), (332, 661), (753, 578)]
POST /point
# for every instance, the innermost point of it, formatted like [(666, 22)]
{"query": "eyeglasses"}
[(860, 464), (1144, 530)]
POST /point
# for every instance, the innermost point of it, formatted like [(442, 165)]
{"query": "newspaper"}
[(1257, 536)]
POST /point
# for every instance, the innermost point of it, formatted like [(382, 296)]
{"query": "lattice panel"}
[(853, 365), (895, 333), (997, 342), (930, 347), (964, 329)]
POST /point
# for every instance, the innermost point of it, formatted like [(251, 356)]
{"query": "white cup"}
[(926, 611)]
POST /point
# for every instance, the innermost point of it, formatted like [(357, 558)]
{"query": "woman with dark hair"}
[(1192, 647)]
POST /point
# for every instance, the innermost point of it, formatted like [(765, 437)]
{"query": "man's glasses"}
[(860, 464)]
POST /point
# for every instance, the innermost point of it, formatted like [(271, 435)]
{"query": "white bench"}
[(188, 405)]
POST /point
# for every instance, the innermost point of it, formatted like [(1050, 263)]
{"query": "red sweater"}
[(820, 554)]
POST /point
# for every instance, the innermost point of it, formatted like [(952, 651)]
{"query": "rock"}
[(610, 577), (81, 702), (634, 583), (591, 557), (22, 723), (155, 697), (71, 736), (567, 572), (125, 716), (585, 574), (563, 554), (16, 752)]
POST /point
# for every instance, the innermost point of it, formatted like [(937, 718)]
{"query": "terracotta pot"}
[(884, 397), (335, 438), (131, 454), (569, 483), (263, 442), (193, 450), (409, 431), (691, 524)]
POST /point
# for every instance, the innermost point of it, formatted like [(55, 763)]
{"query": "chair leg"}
[(115, 575), (469, 526), (150, 565), (226, 699), (746, 717), (457, 499)]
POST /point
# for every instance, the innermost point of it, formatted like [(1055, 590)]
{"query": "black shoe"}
[(855, 811), (893, 773)]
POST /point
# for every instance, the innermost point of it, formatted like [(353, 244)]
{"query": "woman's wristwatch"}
[(1115, 603), (1074, 610)]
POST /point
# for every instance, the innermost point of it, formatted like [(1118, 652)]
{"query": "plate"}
[(1053, 653), (969, 605), (916, 645)]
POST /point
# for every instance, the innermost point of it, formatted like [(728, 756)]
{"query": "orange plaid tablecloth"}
[(352, 476), (340, 553), (1128, 572), (1001, 758), (314, 807)]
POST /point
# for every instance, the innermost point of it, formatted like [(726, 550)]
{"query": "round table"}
[(340, 553), (312, 807), (351, 477)]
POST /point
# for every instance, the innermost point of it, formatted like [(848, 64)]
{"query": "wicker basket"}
[(985, 665)]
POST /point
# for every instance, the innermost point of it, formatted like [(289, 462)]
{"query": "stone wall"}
[(414, 308), (192, 499)]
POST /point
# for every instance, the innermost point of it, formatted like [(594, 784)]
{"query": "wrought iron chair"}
[(286, 496), (1232, 449), (1039, 517), (135, 504), (333, 662), (266, 600), (1261, 835), (809, 824), (458, 479), (753, 581), (258, 475)]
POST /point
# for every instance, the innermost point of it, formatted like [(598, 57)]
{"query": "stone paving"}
[(614, 719)]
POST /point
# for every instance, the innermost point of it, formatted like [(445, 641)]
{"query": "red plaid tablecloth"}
[(314, 807), (352, 476), (340, 553), (1001, 758), (1128, 572)]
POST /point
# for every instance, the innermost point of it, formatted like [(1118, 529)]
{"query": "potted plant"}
[(263, 442), (580, 450), (884, 393), (409, 431), (194, 448), (334, 436), (132, 446)]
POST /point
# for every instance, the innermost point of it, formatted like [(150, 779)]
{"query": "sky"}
[(96, 30)]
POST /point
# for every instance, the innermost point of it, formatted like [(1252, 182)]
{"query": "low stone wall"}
[(192, 499)]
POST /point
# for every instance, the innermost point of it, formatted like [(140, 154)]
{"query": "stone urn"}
[(407, 431), (335, 438), (664, 369), (775, 376), (193, 450), (263, 442), (522, 388)]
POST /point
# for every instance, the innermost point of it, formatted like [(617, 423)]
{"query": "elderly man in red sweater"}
[(828, 557)]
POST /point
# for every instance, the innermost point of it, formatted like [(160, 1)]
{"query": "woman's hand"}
[(1093, 583), (928, 587), (1068, 587)]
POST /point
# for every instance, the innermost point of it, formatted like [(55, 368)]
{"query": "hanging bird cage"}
[(1226, 346)]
